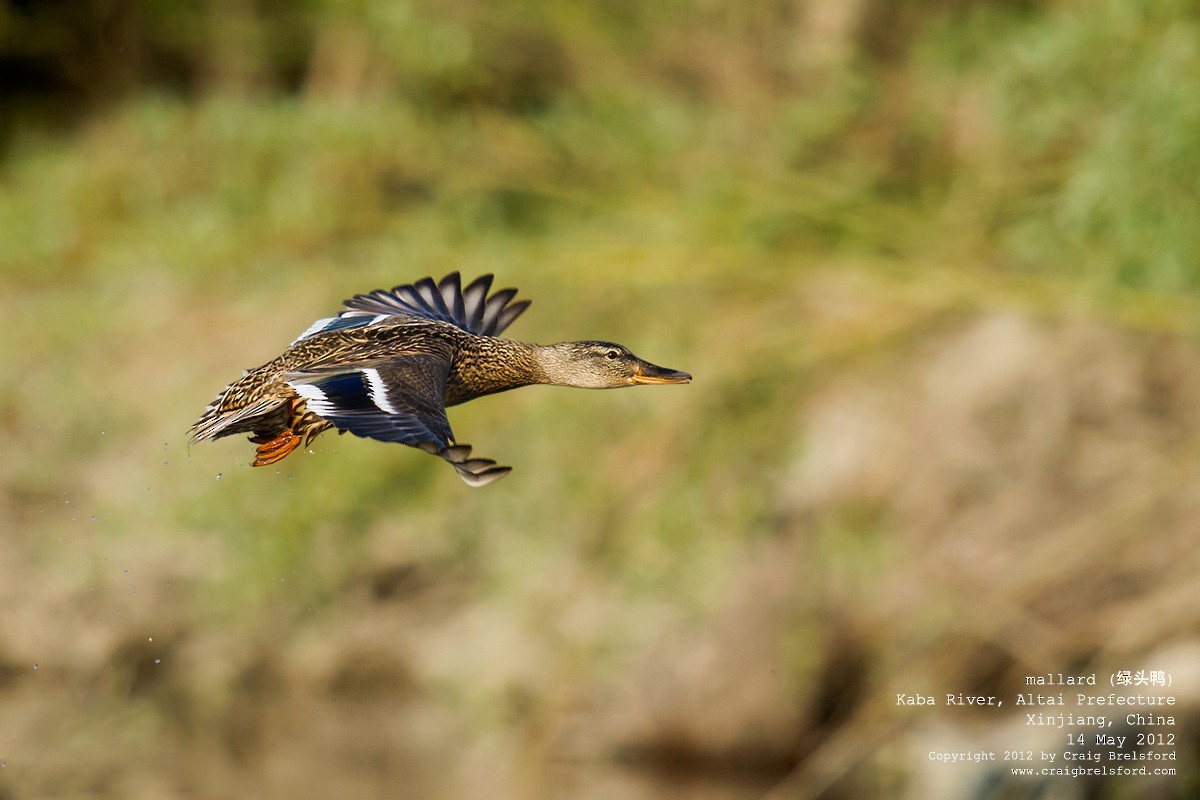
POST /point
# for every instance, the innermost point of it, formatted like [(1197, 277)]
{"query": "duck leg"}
[(272, 450)]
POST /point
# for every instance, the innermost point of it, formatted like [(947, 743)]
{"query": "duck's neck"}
[(493, 365)]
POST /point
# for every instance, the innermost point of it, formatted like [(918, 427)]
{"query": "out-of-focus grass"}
[(1073, 136), (680, 180), (167, 244)]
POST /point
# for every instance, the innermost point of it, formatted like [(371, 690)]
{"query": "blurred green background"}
[(934, 265)]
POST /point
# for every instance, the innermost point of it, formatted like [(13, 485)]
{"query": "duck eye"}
[(612, 354)]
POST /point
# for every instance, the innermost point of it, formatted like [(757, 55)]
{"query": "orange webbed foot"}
[(275, 449)]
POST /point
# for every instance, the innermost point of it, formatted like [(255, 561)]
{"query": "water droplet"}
[(150, 639), (126, 572), (95, 518), (218, 476), (35, 666), (157, 660)]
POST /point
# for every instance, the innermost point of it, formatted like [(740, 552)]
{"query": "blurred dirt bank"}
[(934, 267)]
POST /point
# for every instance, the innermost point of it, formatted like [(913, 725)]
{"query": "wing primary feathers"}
[(475, 302), (475, 471), (494, 306), (452, 296), (510, 313), (469, 308), (431, 294)]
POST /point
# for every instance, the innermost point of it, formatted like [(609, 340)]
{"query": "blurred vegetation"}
[(792, 199)]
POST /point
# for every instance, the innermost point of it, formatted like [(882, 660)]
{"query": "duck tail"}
[(240, 408)]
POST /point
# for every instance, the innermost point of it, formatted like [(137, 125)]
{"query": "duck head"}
[(602, 365)]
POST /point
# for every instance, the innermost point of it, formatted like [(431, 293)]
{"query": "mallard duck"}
[(389, 366)]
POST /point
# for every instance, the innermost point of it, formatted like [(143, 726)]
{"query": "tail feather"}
[(215, 423)]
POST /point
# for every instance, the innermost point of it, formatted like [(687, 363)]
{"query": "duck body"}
[(389, 366)]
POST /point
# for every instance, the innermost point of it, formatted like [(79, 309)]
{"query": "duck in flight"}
[(389, 366)]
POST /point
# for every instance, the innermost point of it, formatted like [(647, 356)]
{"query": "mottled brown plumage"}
[(388, 368)]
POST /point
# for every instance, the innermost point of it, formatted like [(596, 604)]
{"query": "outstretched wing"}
[(398, 400), (445, 301)]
